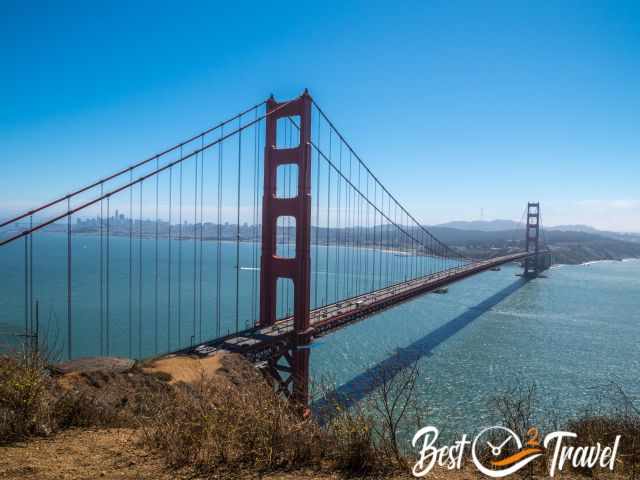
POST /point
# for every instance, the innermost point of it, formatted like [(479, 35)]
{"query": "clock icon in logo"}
[(500, 440)]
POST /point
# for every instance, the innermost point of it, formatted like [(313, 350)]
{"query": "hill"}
[(481, 225), (507, 225), (568, 247)]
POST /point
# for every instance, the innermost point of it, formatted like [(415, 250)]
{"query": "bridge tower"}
[(532, 240), (294, 352)]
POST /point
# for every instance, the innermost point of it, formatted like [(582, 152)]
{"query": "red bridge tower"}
[(296, 351)]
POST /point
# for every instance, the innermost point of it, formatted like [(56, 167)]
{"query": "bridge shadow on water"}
[(368, 381)]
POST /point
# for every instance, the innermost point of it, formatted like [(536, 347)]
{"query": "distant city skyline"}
[(483, 224)]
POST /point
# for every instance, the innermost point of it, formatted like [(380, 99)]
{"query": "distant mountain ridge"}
[(505, 225), (569, 247), (482, 225), (578, 228)]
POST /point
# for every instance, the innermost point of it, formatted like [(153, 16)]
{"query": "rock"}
[(94, 364)]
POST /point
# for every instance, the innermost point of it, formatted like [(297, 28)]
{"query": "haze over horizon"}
[(452, 106)]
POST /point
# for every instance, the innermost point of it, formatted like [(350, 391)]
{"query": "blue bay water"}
[(570, 333)]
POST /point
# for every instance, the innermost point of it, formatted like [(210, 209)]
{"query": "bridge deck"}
[(326, 319)]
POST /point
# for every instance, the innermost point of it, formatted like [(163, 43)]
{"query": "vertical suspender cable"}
[(316, 247), (69, 277), (380, 240), (359, 232), (367, 235), (238, 227), (180, 254), (219, 234), (347, 236), (257, 233), (101, 280), (387, 234), (31, 270), (396, 243), (201, 233), (415, 259), (256, 273), (195, 246), (326, 283), (254, 243), (140, 277), (407, 264), (338, 246), (169, 263), (108, 332), (375, 241), (130, 265), (26, 292), (353, 199), (155, 331)]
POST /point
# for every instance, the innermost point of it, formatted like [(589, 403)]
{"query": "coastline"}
[(593, 262)]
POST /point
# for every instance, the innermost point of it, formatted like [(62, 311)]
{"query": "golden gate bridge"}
[(256, 236)]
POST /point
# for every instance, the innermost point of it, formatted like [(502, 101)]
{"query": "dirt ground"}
[(81, 454), (87, 454), (185, 369)]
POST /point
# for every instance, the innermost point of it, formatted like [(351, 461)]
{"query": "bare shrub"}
[(222, 422), (24, 396), (395, 407), (350, 441), (611, 413), (78, 408), (364, 428), (516, 407), (107, 398), (34, 401), (214, 424), (614, 414)]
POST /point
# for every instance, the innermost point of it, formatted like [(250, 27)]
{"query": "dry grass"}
[(35, 402), (24, 397), (211, 425), (611, 415), (83, 453), (237, 423), (351, 442), (615, 414)]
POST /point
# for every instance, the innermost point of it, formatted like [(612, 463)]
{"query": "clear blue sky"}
[(457, 106)]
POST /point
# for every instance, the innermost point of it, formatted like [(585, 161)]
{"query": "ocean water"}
[(571, 332)]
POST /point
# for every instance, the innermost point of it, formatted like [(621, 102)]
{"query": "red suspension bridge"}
[(257, 235)]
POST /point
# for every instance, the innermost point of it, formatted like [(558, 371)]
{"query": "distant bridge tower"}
[(532, 264)]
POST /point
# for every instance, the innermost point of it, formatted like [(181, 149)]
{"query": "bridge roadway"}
[(258, 341)]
